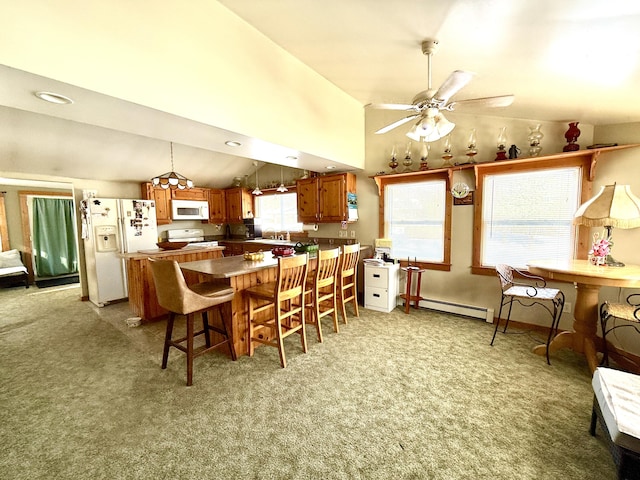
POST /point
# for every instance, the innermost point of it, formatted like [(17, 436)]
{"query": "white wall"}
[(193, 59), (459, 285)]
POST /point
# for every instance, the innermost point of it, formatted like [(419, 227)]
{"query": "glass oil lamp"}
[(424, 155), (501, 154), (407, 162), (471, 146), (446, 154)]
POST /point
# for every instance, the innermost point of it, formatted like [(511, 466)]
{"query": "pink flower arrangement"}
[(601, 246)]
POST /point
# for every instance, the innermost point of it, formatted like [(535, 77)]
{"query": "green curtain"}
[(54, 244)]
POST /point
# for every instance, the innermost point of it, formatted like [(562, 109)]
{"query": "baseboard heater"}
[(484, 313)]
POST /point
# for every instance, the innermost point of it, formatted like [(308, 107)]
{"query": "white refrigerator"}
[(112, 227)]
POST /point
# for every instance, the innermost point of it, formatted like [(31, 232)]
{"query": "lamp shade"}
[(613, 206), (433, 126)]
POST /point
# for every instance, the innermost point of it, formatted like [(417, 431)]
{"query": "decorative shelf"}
[(593, 153)]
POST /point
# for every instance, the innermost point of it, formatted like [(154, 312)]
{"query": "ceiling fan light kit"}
[(427, 106)]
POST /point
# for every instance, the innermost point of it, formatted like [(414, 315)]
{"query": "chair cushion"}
[(10, 258), (622, 310), (531, 292), (618, 394)]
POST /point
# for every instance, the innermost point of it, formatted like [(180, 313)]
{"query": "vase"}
[(535, 138), (572, 135), (597, 260)]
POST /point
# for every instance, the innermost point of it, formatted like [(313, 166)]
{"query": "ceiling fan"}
[(427, 106)]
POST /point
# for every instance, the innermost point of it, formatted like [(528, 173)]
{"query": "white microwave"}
[(189, 210)]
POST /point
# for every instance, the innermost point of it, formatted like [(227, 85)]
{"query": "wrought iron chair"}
[(527, 295), (617, 315)]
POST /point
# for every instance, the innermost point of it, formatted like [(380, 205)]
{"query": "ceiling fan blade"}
[(402, 121), (499, 101), (452, 85), (391, 106)]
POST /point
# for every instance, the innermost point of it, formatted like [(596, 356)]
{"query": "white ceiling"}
[(570, 60)]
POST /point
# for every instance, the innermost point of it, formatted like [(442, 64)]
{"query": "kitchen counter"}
[(241, 274), (227, 267), (141, 287), (159, 253)]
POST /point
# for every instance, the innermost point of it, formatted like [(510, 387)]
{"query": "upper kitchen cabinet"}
[(194, 193), (162, 197), (327, 199), (217, 206), (239, 203), (307, 195)]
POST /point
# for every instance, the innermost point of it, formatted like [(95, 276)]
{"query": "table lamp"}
[(613, 206)]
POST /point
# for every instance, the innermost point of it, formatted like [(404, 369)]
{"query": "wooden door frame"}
[(4, 230), (26, 225)]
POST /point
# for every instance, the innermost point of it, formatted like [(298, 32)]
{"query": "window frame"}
[(481, 170), (416, 177), (273, 191)]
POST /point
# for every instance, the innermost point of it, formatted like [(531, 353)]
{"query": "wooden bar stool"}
[(407, 296)]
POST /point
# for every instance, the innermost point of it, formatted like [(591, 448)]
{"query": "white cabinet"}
[(381, 286)]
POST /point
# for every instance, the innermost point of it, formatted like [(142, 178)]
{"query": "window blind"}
[(414, 216), (528, 216)]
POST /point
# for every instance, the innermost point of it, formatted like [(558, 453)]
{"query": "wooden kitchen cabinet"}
[(195, 193), (324, 199), (232, 248), (162, 197), (239, 203), (217, 206), (307, 196)]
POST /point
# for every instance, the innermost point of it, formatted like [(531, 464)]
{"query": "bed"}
[(12, 270)]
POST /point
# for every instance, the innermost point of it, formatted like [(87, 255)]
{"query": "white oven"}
[(189, 210)]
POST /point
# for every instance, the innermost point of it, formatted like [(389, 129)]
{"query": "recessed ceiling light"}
[(331, 167), (53, 98), (232, 143)]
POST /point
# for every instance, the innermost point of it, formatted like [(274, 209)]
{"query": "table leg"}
[(407, 299), (582, 338), (418, 287)]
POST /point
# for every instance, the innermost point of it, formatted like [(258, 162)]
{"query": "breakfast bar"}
[(240, 274)]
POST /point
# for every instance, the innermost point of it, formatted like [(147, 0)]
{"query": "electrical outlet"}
[(567, 307), (353, 234), (340, 233)]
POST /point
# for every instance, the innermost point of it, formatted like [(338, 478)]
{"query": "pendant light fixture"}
[(256, 191), (282, 188), (172, 179)]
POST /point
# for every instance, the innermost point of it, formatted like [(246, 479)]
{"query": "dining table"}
[(588, 279), (240, 274)]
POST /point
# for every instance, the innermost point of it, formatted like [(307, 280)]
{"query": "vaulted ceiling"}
[(570, 60)]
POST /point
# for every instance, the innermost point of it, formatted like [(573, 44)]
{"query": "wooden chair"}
[(619, 315), (276, 309), (348, 279), (175, 296), (321, 290), (528, 294)]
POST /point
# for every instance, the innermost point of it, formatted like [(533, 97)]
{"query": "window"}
[(415, 219), (528, 215), (278, 212)]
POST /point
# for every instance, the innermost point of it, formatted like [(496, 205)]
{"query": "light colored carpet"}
[(393, 396)]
